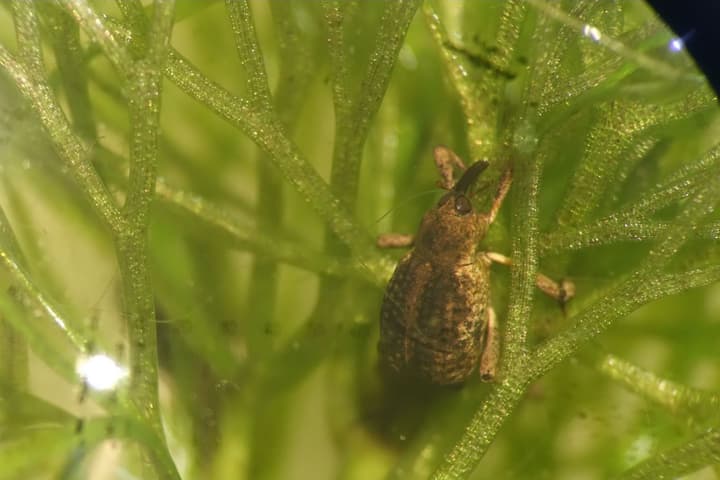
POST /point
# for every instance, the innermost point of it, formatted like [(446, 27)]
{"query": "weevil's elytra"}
[(435, 322)]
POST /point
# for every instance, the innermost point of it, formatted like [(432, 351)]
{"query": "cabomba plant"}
[(204, 215)]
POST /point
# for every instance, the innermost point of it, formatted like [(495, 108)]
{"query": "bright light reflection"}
[(100, 371), (407, 58), (592, 32), (676, 44)]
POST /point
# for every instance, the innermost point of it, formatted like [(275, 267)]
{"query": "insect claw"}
[(565, 294)]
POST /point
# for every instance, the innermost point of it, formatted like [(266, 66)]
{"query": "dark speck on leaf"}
[(481, 61)]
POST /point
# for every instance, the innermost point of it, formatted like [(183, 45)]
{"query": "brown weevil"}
[(436, 324)]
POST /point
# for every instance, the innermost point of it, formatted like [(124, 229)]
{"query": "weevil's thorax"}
[(450, 232)]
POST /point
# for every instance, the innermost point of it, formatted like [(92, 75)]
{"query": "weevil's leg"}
[(562, 292), (394, 240), (499, 258), (502, 190), (490, 356), (445, 159)]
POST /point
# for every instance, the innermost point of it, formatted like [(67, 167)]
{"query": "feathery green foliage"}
[(194, 189)]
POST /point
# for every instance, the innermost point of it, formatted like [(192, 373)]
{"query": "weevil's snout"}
[(453, 228), (469, 177), (456, 203)]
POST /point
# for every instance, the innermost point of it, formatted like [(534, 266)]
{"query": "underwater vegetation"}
[(190, 194)]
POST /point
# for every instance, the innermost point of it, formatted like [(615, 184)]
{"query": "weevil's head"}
[(453, 227)]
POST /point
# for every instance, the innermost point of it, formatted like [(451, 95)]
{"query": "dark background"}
[(697, 22)]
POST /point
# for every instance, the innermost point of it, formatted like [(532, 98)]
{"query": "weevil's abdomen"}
[(433, 319)]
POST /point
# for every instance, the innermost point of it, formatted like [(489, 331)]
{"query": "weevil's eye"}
[(462, 205)]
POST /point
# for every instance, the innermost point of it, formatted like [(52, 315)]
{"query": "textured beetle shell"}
[(433, 319)]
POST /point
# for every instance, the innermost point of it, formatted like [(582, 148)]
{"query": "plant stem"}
[(70, 149), (679, 461), (67, 49), (272, 139), (483, 428), (96, 28), (678, 399), (131, 244)]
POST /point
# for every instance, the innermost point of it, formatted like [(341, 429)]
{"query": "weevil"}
[(436, 323)]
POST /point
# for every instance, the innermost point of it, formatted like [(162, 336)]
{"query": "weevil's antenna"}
[(407, 200)]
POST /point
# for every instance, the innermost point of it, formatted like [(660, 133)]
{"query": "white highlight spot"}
[(100, 371), (592, 33), (676, 45), (407, 58), (639, 450)]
